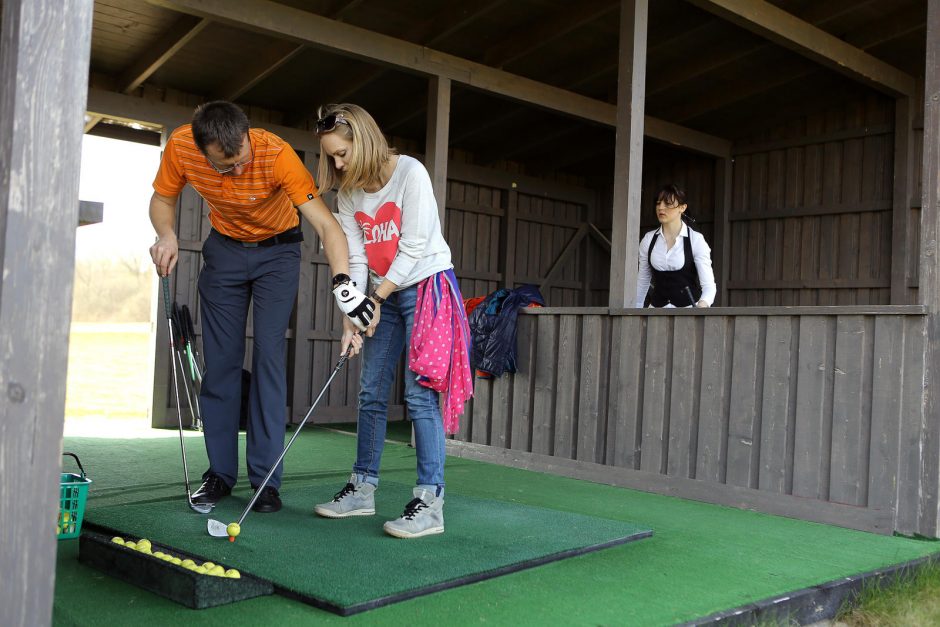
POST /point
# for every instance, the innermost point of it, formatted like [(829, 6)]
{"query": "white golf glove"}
[(354, 304)]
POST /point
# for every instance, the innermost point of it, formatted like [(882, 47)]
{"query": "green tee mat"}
[(702, 559), (351, 565)]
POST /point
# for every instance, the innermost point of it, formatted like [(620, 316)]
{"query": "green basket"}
[(72, 494)]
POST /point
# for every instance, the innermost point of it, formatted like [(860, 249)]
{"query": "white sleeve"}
[(419, 220), (702, 254), (644, 274), (358, 262)]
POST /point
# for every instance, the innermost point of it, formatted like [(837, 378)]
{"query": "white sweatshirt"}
[(395, 232)]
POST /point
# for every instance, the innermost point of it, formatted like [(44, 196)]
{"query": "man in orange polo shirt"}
[(255, 185)]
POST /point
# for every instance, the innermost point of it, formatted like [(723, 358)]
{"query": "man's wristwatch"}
[(375, 296)]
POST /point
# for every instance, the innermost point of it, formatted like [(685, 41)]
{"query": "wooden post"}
[(628, 158), (901, 206), (437, 139), (929, 284), (45, 47), (721, 256)]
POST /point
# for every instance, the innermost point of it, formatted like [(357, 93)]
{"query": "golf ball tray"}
[(190, 587)]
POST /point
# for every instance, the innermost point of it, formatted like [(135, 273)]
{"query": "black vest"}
[(679, 287)]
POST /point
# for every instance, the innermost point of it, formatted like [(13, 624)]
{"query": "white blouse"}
[(674, 259)]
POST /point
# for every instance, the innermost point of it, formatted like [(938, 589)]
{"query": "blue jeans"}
[(380, 356)]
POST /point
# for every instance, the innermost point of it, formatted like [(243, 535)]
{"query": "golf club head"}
[(202, 508), (217, 529)]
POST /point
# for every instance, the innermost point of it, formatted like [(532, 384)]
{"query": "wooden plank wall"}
[(811, 210), (481, 206), (815, 406)]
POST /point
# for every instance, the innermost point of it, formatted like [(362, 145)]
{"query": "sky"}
[(119, 174)]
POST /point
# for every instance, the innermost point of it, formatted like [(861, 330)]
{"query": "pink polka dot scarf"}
[(440, 344)]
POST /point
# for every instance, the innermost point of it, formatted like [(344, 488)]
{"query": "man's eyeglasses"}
[(327, 124), (229, 168)]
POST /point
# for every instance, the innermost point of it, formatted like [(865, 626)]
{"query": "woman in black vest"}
[(675, 261)]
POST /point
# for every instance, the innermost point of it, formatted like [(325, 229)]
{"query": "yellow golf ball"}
[(233, 574), (233, 530), (143, 544), (208, 565), (187, 563), (217, 571), (117, 540), (131, 545)]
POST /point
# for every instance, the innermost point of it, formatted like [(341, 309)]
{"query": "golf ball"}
[(233, 530)]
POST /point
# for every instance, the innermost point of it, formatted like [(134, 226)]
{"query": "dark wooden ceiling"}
[(703, 72)]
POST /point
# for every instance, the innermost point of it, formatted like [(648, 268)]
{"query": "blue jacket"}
[(493, 328)]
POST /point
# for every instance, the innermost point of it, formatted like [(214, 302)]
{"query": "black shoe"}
[(269, 501), (211, 491)]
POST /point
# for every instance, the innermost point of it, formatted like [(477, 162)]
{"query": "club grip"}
[(166, 296)]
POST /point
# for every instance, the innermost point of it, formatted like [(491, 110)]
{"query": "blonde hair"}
[(370, 150)]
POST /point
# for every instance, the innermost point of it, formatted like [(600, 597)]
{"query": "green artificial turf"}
[(351, 565), (702, 559)]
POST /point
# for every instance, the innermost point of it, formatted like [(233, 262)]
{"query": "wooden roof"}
[(704, 71)]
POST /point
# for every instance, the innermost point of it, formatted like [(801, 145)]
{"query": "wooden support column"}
[(724, 169), (929, 292), (628, 157), (45, 47), (901, 206), (438, 139)]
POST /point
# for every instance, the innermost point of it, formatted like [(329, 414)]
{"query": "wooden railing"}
[(810, 412)]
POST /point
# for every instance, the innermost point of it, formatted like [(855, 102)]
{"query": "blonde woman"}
[(397, 254)]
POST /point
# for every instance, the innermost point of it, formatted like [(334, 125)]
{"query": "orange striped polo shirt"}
[(250, 207)]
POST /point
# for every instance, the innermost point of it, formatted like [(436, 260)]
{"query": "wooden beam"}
[(437, 140), (818, 14), (546, 31), (272, 18), (765, 19), (929, 289), (132, 109), (787, 72), (628, 155), (272, 58), (45, 46), (91, 121), (901, 205), (90, 212), (178, 35), (431, 31)]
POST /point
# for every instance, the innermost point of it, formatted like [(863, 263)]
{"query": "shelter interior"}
[(797, 129), (810, 217)]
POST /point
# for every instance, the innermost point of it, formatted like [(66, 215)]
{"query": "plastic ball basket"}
[(73, 492)]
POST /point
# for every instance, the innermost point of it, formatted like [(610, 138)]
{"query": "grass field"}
[(110, 379)]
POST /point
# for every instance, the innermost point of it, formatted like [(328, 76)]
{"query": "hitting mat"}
[(350, 565)]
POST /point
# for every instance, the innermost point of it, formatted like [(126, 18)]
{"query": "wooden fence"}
[(815, 413)]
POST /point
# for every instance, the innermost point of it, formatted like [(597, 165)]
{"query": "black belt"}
[(290, 236)]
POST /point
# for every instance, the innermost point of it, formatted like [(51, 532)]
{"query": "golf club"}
[(202, 508), (219, 529), (190, 395)]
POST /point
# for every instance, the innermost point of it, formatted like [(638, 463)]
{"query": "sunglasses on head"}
[(327, 124)]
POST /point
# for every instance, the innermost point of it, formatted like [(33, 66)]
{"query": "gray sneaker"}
[(357, 498), (423, 516)]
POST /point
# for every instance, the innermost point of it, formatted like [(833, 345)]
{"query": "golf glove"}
[(354, 304)]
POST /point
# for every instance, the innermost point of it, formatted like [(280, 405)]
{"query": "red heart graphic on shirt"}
[(381, 235)]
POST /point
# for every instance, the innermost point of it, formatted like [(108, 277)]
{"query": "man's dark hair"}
[(221, 123)]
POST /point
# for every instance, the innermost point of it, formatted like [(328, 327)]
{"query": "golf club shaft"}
[(339, 365), (179, 409)]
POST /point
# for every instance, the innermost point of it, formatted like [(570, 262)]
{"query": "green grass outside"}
[(913, 599)]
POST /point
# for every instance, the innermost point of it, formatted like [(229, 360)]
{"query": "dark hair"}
[(221, 123), (671, 195)]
